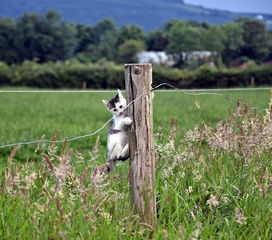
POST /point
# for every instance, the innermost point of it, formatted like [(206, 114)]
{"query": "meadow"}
[(213, 181), (29, 116)]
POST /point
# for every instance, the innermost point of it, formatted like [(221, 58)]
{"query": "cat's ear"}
[(106, 103), (119, 93)]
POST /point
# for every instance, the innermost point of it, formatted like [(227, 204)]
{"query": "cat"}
[(117, 139)]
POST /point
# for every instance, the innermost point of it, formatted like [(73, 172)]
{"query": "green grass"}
[(29, 116), (189, 172)]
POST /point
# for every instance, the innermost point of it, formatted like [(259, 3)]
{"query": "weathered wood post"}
[(138, 79)]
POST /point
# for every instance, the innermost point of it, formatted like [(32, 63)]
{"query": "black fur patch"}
[(114, 131), (114, 100)]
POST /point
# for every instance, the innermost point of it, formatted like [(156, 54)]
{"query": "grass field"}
[(29, 116), (205, 190)]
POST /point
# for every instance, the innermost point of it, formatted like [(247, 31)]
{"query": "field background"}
[(202, 192), (29, 116)]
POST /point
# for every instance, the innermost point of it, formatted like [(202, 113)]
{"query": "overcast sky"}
[(262, 6)]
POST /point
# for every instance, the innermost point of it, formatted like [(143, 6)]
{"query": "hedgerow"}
[(73, 74)]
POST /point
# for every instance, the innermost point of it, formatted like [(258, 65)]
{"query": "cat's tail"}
[(111, 162), (109, 165)]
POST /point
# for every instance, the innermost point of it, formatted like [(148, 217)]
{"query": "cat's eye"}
[(121, 106)]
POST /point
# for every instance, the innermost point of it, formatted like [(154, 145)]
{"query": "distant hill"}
[(149, 14)]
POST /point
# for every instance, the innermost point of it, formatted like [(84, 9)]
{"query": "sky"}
[(262, 6)]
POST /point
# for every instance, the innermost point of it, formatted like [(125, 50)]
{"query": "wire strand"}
[(110, 91)]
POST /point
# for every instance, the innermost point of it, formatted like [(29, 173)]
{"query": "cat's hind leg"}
[(124, 153), (110, 164)]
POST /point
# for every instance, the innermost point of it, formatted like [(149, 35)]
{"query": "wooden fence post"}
[(138, 80)]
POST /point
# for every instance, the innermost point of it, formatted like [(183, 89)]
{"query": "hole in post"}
[(137, 70)]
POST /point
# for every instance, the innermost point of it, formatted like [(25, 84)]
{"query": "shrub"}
[(5, 76), (72, 74)]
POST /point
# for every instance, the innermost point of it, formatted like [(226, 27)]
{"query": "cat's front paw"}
[(128, 121)]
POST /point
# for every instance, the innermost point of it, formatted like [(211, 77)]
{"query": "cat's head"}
[(117, 104)]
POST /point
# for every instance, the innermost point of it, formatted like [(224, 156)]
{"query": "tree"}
[(107, 47), (214, 38), (233, 41), (157, 40), (102, 28), (130, 32), (8, 45), (270, 44), (85, 36), (64, 41), (44, 37), (127, 51), (183, 39), (255, 36)]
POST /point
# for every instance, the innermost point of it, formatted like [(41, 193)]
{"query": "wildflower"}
[(167, 172), (197, 175), (106, 216), (212, 202), (195, 234), (165, 234), (63, 235), (31, 178), (79, 157), (193, 215), (240, 218), (62, 172), (189, 190), (197, 103), (199, 224), (225, 199)]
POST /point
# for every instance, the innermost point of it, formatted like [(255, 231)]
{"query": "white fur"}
[(114, 144), (117, 143)]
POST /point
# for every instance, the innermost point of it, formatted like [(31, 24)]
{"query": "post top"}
[(137, 64)]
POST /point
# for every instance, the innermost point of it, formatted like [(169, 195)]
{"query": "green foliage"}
[(130, 32), (71, 74), (255, 38), (127, 51), (157, 40), (102, 28), (45, 37), (5, 74), (184, 38), (233, 41), (36, 37), (8, 42), (214, 38), (85, 36), (206, 76), (104, 74)]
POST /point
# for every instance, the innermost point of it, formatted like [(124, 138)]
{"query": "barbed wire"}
[(186, 92)]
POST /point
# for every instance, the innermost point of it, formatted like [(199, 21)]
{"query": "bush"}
[(73, 74), (5, 76)]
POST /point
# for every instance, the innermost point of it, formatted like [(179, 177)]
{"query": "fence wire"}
[(186, 92)]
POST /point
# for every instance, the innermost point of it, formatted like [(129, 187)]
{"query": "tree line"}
[(47, 38)]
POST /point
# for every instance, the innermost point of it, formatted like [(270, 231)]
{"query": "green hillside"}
[(149, 14)]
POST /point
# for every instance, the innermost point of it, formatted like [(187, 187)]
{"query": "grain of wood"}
[(142, 157)]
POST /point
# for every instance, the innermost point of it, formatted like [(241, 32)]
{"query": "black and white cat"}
[(117, 140)]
